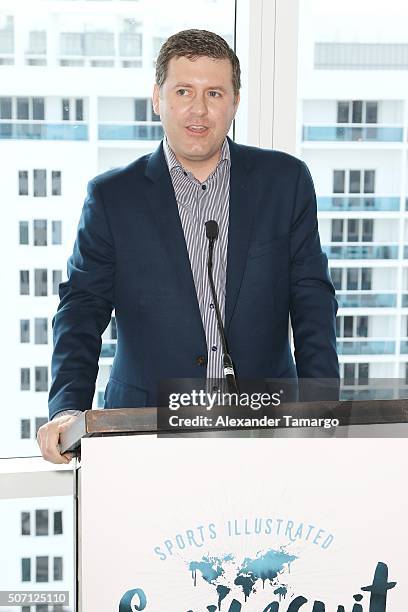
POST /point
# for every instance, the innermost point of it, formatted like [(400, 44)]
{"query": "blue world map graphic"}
[(266, 566)]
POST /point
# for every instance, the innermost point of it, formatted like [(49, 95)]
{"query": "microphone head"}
[(211, 229)]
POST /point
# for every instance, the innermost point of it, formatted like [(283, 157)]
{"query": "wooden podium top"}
[(144, 420)]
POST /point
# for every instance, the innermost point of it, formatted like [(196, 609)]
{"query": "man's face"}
[(196, 105)]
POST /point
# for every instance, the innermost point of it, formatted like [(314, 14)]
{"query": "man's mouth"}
[(197, 129)]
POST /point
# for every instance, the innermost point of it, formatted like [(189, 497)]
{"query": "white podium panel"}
[(251, 525)]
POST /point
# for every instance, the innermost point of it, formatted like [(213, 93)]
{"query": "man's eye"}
[(214, 94), (181, 92)]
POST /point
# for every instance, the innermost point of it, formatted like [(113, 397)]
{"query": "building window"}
[(57, 568), (366, 278), (336, 276), (337, 230), (367, 230), (24, 379), (23, 227), (41, 330), (24, 282), (40, 282), (41, 522), (339, 181), (22, 108), (23, 182), (25, 523), (6, 108), (56, 280), (363, 370), (58, 523), (140, 109), (352, 279), (24, 330), (41, 569), (56, 232), (25, 429), (40, 232), (114, 331), (25, 570), (38, 108), (40, 183), (41, 378), (39, 422), (353, 181), (65, 109), (352, 327), (79, 109), (56, 182), (357, 111)]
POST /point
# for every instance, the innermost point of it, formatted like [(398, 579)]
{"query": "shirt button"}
[(201, 360), (203, 187), (215, 388), (214, 348), (211, 305), (185, 173)]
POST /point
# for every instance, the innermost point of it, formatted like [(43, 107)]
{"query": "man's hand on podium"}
[(48, 439)]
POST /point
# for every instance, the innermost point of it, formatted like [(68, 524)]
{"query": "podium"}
[(242, 519)]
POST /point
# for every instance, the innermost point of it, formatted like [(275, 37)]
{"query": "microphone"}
[(211, 229)]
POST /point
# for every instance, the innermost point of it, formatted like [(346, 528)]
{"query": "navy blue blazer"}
[(130, 254)]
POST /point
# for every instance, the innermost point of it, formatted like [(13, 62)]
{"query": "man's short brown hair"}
[(193, 44)]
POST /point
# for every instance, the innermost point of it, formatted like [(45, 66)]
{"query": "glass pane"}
[(56, 280), (25, 432), (40, 281), (24, 379), (140, 109), (38, 108), (352, 278), (56, 182), (352, 230), (79, 109), (41, 378), (57, 523), (58, 568), (24, 282), (23, 108), (41, 330), (366, 278), (362, 327), (339, 177), (363, 369), (5, 108), (343, 109), (24, 330), (337, 230), (41, 569), (22, 182), (41, 522), (357, 111), (348, 327), (368, 230), (56, 232), (355, 181), (369, 181), (40, 232), (349, 369), (371, 112), (65, 109), (40, 183), (23, 226), (336, 276), (25, 569)]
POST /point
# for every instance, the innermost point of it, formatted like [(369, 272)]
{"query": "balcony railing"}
[(365, 347), (366, 300), (359, 203), (42, 130), (362, 251), (146, 130), (352, 133)]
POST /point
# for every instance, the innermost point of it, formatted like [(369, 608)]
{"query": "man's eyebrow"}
[(220, 87)]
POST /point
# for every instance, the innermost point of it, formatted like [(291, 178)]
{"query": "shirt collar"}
[(173, 162)]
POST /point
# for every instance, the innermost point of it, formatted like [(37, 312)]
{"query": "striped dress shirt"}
[(197, 203)]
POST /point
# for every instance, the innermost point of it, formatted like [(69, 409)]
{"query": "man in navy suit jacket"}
[(130, 254)]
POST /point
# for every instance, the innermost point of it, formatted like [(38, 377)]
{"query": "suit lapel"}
[(166, 214), (240, 227)]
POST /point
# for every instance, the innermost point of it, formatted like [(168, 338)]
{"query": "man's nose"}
[(199, 104)]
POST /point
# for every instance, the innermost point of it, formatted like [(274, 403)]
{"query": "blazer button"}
[(201, 360)]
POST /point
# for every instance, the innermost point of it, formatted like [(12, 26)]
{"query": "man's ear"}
[(156, 98)]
